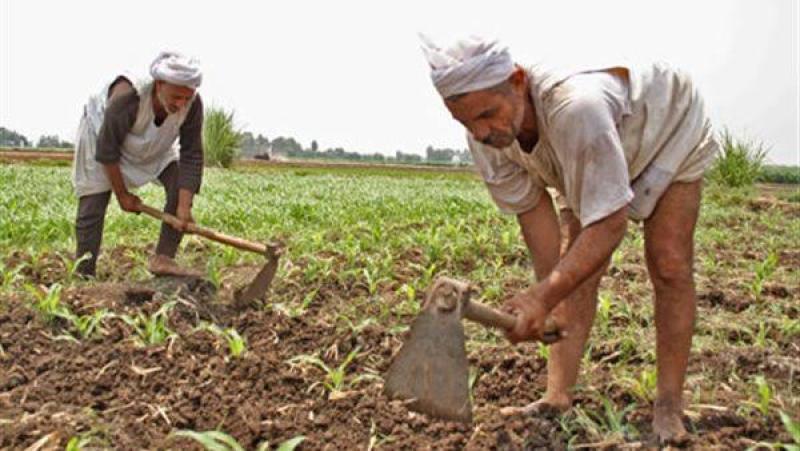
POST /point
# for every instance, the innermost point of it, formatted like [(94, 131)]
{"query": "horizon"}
[(352, 75)]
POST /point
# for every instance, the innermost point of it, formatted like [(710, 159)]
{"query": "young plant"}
[(353, 327), (78, 442), (48, 302), (293, 311), (762, 271), (72, 264), (236, 343), (643, 387), (85, 326), (608, 425), (8, 276), (151, 329), (336, 380), (763, 395), (220, 441), (793, 427)]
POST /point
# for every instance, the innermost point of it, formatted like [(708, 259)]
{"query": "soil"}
[(131, 396)]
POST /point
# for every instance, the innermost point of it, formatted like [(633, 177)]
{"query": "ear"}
[(518, 78)]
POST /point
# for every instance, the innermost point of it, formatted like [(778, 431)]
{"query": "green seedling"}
[(220, 441), (85, 326), (78, 443), (336, 379), (236, 343), (608, 425), (763, 270), (643, 387), (293, 311), (151, 329), (793, 427), (763, 396), (47, 302)]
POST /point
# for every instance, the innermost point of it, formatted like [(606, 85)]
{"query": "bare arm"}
[(590, 251), (542, 235)]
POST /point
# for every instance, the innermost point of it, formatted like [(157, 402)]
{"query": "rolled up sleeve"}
[(512, 188)]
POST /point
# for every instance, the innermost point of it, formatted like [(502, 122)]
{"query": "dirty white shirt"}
[(607, 138)]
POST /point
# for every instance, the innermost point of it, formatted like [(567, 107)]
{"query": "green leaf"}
[(291, 444), (211, 440)]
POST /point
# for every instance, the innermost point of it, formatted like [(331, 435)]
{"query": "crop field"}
[(131, 362)]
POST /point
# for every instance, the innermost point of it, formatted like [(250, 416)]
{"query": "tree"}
[(51, 141), (407, 157), (10, 138), (439, 155), (314, 146)]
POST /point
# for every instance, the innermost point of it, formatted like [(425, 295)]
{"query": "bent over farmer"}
[(614, 143), (127, 138)]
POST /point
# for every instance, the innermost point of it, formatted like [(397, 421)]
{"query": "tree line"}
[(11, 138), (259, 146)]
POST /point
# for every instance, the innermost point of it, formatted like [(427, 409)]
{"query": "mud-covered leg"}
[(669, 250)]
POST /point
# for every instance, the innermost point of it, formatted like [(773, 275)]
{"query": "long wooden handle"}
[(490, 317), (213, 235)]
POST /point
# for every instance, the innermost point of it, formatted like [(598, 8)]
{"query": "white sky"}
[(351, 74)]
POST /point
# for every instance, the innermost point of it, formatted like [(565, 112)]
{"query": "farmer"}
[(127, 138), (614, 143)]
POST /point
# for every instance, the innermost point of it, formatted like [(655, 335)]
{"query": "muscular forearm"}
[(591, 250)]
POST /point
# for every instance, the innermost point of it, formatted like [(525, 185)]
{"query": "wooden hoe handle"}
[(475, 311), (213, 235)]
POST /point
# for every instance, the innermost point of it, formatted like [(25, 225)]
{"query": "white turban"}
[(468, 65), (177, 69)]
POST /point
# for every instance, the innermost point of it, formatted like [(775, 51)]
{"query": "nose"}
[(480, 133)]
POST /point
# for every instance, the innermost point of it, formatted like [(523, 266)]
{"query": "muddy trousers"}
[(92, 213)]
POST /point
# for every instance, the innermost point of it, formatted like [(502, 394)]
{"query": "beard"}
[(164, 104), (500, 139), (504, 138)]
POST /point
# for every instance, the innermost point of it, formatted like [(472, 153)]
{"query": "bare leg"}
[(669, 250), (576, 315)]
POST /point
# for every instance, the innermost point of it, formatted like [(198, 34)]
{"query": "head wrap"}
[(470, 64), (177, 69)]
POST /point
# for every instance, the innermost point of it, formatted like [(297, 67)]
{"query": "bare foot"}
[(161, 265), (668, 426), (548, 406)]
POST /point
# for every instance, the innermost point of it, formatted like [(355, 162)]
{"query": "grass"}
[(740, 162), (364, 244), (220, 441), (220, 137)]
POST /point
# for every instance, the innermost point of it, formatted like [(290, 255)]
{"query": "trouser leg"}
[(169, 239), (89, 230)]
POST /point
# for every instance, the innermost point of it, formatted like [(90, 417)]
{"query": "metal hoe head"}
[(431, 369), (257, 289)]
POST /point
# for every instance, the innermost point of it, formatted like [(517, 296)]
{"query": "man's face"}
[(493, 116), (173, 97)]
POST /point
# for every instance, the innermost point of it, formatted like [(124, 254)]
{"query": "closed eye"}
[(486, 114)]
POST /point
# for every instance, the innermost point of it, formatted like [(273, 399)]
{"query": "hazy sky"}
[(351, 74)]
